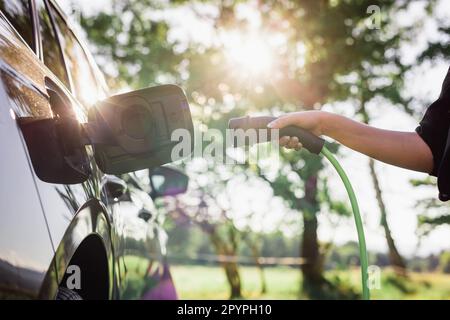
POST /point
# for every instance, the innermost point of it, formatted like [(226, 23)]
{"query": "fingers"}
[(290, 143), (283, 121), (284, 141), (293, 143)]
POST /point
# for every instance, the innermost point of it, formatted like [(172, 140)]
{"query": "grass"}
[(208, 282)]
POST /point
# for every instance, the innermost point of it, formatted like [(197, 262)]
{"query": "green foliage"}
[(337, 43), (435, 212), (444, 263), (334, 35), (343, 60), (339, 207), (434, 50), (187, 241), (133, 42), (401, 283), (438, 49), (444, 219)]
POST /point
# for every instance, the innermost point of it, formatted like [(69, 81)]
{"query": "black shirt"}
[(434, 130)]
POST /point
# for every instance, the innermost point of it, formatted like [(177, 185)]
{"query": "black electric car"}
[(74, 224)]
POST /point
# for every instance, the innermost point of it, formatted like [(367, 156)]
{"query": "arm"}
[(402, 149)]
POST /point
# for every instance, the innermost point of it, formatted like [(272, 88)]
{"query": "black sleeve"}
[(435, 124), (433, 129)]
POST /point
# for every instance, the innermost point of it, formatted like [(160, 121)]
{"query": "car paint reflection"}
[(42, 224)]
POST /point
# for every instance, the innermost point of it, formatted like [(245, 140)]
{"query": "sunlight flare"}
[(250, 54)]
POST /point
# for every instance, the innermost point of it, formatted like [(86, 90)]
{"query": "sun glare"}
[(249, 54)]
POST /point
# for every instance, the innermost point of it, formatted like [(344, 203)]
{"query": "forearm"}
[(402, 149)]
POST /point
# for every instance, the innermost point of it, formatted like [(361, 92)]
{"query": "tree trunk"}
[(262, 277), (395, 258), (234, 279), (312, 270), (231, 268)]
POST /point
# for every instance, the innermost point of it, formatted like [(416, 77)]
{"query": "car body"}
[(46, 227)]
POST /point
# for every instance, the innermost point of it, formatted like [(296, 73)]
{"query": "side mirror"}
[(166, 181), (132, 131)]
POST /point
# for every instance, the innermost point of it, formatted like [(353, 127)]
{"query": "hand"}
[(312, 121)]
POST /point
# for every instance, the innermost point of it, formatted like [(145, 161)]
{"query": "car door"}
[(69, 213), (26, 250), (62, 201), (139, 244), (136, 242), (88, 86), (73, 211)]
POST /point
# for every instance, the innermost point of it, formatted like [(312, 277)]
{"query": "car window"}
[(84, 84), (18, 14), (52, 54)]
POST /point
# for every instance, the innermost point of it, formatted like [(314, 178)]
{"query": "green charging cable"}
[(358, 221), (316, 145)]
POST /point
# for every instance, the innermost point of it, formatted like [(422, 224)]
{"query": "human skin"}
[(401, 149)]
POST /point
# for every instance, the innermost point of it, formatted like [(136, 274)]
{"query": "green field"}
[(208, 282)]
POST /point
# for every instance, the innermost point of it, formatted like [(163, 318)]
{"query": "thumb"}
[(282, 122)]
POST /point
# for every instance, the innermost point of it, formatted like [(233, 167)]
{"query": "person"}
[(426, 149)]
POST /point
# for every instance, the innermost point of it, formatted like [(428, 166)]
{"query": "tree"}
[(346, 47), (435, 212), (212, 215), (444, 263), (254, 243), (395, 258), (132, 44), (322, 44), (223, 236)]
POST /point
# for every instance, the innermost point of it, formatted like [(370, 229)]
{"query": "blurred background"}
[(284, 229)]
